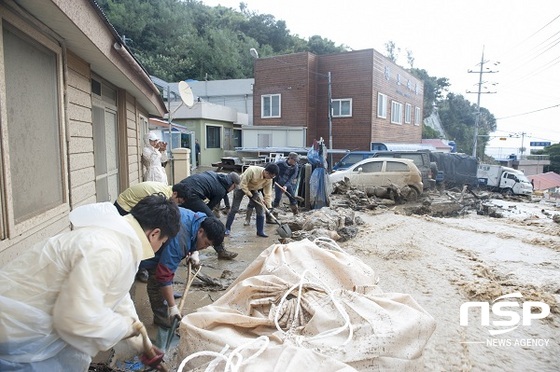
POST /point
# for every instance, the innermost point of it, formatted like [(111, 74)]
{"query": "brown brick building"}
[(373, 99)]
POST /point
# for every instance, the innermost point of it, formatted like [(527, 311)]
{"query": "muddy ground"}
[(508, 246)]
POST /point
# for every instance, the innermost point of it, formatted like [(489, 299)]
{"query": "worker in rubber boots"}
[(198, 231), (252, 180), (66, 299), (213, 187), (288, 170)]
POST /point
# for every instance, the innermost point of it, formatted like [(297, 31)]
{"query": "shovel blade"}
[(284, 231)]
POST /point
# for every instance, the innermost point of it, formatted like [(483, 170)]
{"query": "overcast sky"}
[(447, 38)]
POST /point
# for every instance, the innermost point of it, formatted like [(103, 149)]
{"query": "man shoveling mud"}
[(67, 299), (252, 180)]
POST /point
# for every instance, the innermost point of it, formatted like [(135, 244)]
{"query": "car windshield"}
[(350, 159), (523, 178)]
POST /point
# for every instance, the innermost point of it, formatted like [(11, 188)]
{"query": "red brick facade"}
[(301, 81)]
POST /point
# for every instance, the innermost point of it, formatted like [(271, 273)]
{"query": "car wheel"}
[(508, 192), (412, 195)]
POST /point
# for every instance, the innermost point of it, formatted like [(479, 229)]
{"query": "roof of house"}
[(545, 181), (437, 143)]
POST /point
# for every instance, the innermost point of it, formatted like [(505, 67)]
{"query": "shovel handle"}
[(149, 349), (298, 198)]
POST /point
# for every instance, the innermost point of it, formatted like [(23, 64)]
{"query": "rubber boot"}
[(294, 209), (260, 227), (248, 217)]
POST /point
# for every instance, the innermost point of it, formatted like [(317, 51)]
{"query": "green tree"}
[(392, 51), (434, 88), (553, 152), (429, 132), (318, 45), (458, 117)]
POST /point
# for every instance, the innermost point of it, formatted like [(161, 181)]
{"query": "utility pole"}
[(480, 82), (330, 119)]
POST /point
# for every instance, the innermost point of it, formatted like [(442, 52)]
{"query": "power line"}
[(527, 113)]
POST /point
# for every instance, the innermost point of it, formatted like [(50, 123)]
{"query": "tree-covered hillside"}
[(178, 40)]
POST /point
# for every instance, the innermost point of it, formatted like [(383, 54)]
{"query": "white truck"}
[(509, 181)]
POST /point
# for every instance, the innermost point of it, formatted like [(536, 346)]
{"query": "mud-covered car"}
[(383, 172)]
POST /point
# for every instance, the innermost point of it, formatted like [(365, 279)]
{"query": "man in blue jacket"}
[(198, 231), (288, 170)]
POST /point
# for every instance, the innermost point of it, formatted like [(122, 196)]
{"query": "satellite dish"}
[(186, 94), (254, 53)]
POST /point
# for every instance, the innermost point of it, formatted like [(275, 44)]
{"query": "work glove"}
[(256, 197), (194, 259), (155, 361), (173, 312)]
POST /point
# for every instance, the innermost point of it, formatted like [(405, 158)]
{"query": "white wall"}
[(279, 136)]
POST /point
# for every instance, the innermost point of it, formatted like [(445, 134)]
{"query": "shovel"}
[(149, 351), (282, 230), (175, 323), (298, 198)]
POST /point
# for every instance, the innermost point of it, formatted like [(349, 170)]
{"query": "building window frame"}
[(213, 136), (396, 112), (417, 118), (341, 108), (271, 106), (381, 105), (17, 219), (407, 113)]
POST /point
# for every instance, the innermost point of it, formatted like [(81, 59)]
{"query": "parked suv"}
[(352, 158), (421, 159)]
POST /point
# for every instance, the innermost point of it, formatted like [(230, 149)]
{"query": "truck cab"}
[(503, 179), (515, 183)]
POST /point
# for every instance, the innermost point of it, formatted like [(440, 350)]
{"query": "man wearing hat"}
[(288, 171)]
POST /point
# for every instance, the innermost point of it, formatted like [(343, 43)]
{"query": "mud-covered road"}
[(442, 262), (445, 262)]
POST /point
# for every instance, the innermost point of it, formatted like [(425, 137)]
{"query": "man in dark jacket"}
[(288, 171), (213, 187)]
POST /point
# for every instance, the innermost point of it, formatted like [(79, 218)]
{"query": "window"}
[(417, 117), (270, 106), (371, 167), (381, 105), (408, 113), (394, 166), (213, 137), (396, 112), (341, 107), (105, 141), (31, 119)]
